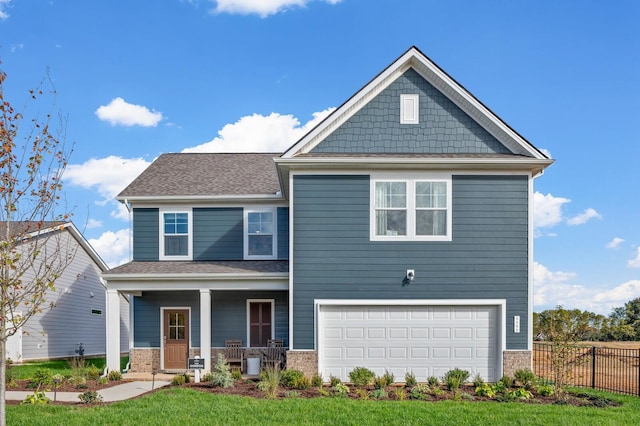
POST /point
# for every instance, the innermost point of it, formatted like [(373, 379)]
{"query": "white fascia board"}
[(195, 277), (536, 166), (164, 199), (131, 286), (411, 302)]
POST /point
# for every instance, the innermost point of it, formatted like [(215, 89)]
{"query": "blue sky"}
[(140, 78)]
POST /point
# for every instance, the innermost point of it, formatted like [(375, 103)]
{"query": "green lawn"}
[(58, 366), (185, 406)]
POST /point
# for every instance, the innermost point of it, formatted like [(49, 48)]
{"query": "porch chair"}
[(272, 355), (275, 343), (234, 352)]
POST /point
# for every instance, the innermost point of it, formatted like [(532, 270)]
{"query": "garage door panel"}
[(425, 340)]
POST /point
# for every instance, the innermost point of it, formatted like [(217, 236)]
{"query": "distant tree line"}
[(622, 324)]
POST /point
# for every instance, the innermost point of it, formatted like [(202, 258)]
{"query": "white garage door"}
[(425, 340)]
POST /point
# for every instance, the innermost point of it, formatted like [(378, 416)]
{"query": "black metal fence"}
[(597, 367)]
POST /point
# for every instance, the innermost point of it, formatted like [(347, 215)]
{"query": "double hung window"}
[(260, 234), (176, 236), (411, 209)]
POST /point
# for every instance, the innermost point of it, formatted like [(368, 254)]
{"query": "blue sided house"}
[(396, 235)]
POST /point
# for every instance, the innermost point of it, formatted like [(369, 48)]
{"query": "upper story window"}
[(411, 209), (176, 235), (260, 233)]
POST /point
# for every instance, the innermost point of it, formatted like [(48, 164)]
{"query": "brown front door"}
[(259, 323), (176, 339)]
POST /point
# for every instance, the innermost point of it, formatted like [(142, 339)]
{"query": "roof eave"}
[(173, 199), (196, 276)]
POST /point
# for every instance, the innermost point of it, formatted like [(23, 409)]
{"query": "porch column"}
[(113, 330), (205, 328)]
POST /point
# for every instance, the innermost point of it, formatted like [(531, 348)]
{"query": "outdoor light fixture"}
[(411, 274)]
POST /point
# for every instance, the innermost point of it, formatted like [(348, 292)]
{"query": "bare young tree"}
[(33, 158)]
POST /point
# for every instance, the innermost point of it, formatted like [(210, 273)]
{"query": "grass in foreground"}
[(176, 406)]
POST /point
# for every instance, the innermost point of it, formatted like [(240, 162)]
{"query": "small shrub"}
[(10, 377), (115, 375), (420, 391), (433, 381), (399, 394), (207, 377), (90, 397), (520, 393), (461, 375), (452, 382), (36, 398), (221, 375), (43, 376), (500, 387), (546, 390), (389, 378), (379, 393), (82, 386), (77, 363), (361, 376), (103, 381), (478, 381), (526, 378), (236, 374), (294, 379), (316, 380), (379, 382), (77, 380), (178, 380), (292, 394), (269, 381), (362, 394), (507, 381), (323, 392), (485, 390), (93, 373), (340, 390), (333, 381), (410, 379)]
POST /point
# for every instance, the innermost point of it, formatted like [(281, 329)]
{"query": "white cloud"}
[(635, 262), (4, 4), (615, 243), (108, 176), (547, 210), (263, 8), (584, 217), (113, 247), (93, 223), (259, 133), (555, 288), (120, 112)]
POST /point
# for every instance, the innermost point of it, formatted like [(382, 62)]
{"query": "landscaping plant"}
[(361, 376), (221, 374)]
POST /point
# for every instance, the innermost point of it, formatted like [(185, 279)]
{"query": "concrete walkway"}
[(128, 390)]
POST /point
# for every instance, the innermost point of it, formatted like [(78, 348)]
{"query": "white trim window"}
[(260, 233), (411, 209), (175, 235)]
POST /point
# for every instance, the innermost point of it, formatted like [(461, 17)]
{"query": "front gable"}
[(441, 127)]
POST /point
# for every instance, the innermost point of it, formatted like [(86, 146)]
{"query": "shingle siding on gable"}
[(443, 127), (218, 233), (146, 234), (334, 259)]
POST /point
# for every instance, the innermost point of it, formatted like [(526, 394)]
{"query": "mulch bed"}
[(91, 385)]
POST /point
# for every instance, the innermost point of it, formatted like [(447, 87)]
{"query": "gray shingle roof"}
[(206, 174), (203, 267)]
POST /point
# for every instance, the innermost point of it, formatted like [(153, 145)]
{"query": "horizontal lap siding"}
[(334, 259), (283, 233), (229, 315), (217, 233), (146, 231), (146, 332)]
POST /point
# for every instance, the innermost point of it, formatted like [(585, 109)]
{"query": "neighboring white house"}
[(75, 312)]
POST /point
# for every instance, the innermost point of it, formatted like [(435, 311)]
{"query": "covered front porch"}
[(176, 316)]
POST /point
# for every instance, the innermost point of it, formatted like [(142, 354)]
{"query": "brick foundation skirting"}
[(515, 360), (144, 360), (305, 361)]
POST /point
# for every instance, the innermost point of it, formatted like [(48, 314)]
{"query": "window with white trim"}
[(175, 233), (260, 233), (411, 209)]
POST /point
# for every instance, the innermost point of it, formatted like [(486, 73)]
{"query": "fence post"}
[(593, 367)]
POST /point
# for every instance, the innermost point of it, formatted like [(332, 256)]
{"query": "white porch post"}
[(113, 330), (205, 328)]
